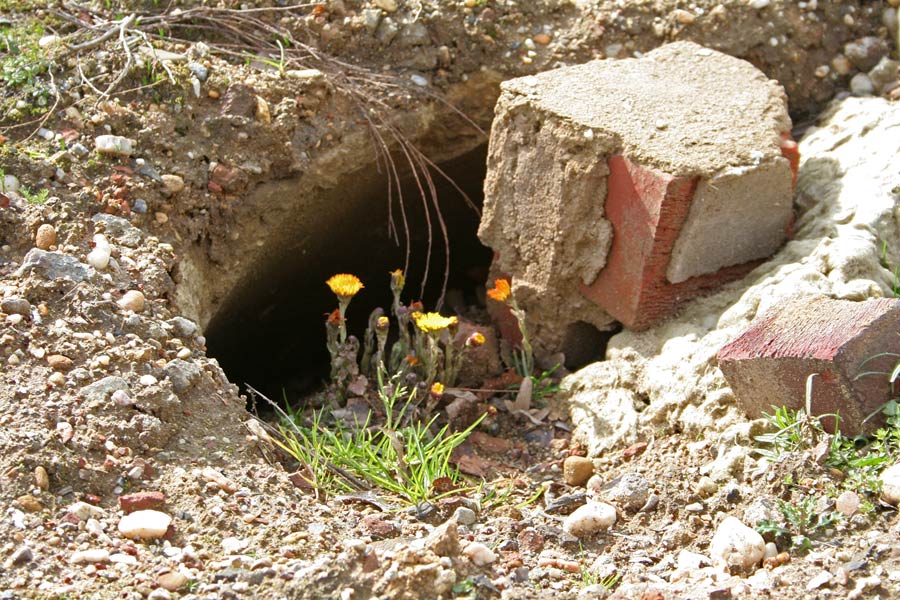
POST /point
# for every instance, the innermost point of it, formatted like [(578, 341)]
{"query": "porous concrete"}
[(667, 378), (682, 113)]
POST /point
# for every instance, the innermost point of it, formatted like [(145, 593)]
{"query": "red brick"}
[(141, 501), (647, 209), (768, 365)]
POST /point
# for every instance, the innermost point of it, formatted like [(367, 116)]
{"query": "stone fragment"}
[(14, 305), (114, 145), (590, 518), (172, 183), (29, 503), (54, 265), (577, 470), (58, 362), (212, 475), (444, 540), (378, 526), (84, 511), (629, 492), (865, 52), (93, 555), (133, 300), (141, 501), (119, 229), (45, 237), (41, 478), (479, 554), (834, 341), (637, 209), (847, 503), (145, 525), (861, 85), (734, 545), (22, 555), (171, 581), (239, 101), (182, 374)]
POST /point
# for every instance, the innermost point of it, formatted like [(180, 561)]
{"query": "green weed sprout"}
[(501, 292)]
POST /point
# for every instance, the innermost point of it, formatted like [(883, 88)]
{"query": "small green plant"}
[(38, 198), (543, 385), (278, 64), (802, 522), (895, 271), (406, 459)]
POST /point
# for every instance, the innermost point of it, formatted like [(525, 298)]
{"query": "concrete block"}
[(635, 184), (768, 365)]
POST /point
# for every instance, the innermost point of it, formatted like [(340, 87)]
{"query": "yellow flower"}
[(475, 340), (397, 279), (431, 322), (437, 389), (500, 292), (382, 323), (345, 285)]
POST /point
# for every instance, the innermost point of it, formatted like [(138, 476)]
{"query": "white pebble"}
[(861, 85), (479, 554), (95, 555), (115, 145), (736, 545), (84, 511), (890, 485), (148, 380), (145, 525), (590, 518), (99, 258)]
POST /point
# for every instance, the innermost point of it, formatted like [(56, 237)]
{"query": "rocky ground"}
[(110, 406)]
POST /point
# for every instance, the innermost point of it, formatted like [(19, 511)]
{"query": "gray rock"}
[(465, 516), (861, 85), (54, 265), (414, 34), (865, 52), (761, 509), (387, 31), (372, 18), (884, 73), (120, 229), (182, 374), (15, 306), (99, 392), (630, 491), (199, 71), (21, 556), (183, 328)]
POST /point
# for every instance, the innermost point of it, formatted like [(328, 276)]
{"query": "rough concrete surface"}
[(847, 209), (621, 147)]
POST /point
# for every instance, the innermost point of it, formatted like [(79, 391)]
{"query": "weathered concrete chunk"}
[(769, 364), (54, 265), (635, 184)]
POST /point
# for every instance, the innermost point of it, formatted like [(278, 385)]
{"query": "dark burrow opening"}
[(272, 336)]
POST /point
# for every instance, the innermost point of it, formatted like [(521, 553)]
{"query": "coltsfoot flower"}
[(344, 285), (475, 340), (501, 291), (433, 322)]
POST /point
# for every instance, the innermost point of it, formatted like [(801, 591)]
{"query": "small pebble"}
[(847, 503), (45, 237), (171, 581), (172, 183), (465, 516), (736, 545), (41, 478), (479, 554), (133, 300), (94, 555), (890, 485), (589, 519), (577, 470), (145, 525), (542, 38), (148, 380), (114, 145), (58, 362), (861, 85)]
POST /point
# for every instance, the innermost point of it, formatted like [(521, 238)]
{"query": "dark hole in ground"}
[(272, 337), (584, 344)]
